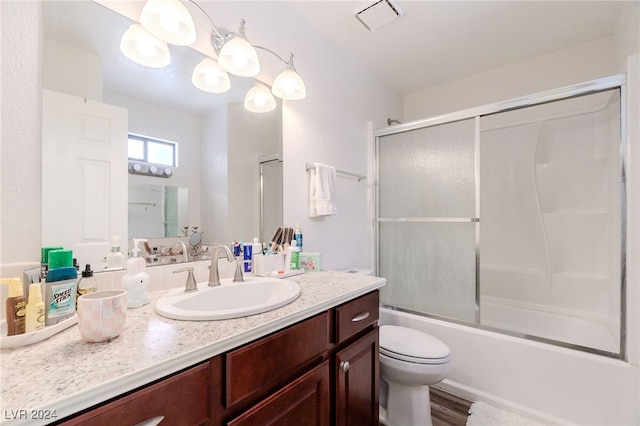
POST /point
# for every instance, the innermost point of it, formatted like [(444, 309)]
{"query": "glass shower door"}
[(427, 219)]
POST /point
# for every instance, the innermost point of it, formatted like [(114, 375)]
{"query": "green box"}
[(310, 261)]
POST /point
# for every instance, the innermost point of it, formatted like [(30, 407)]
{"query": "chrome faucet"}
[(214, 275), (185, 253)]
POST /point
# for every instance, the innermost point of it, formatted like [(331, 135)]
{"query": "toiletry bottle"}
[(115, 259), (35, 309), (136, 280), (86, 284), (247, 256), (16, 307), (297, 235), (44, 260), (257, 247), (292, 259), (60, 287)]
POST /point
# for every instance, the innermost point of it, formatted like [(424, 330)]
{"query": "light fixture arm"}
[(289, 62), (215, 29)]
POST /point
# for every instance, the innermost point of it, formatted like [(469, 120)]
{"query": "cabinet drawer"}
[(304, 402), (260, 367), (182, 400), (355, 316)]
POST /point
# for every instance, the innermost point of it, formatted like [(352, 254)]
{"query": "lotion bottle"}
[(35, 309), (116, 259), (16, 307), (136, 280), (60, 287), (292, 258)]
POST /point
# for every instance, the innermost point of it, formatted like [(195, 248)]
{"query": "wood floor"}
[(447, 409)]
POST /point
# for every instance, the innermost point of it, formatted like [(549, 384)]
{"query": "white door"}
[(84, 175)]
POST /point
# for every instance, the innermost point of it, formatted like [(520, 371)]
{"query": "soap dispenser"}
[(136, 280), (115, 259)]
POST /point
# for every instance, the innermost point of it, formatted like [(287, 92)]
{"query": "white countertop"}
[(64, 375)]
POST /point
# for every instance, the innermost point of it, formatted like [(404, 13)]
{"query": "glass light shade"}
[(210, 77), (289, 85), (259, 99), (144, 48), (169, 20), (238, 57)]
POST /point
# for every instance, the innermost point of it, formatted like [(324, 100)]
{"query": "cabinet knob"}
[(344, 366)]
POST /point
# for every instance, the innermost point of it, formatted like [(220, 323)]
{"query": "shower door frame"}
[(581, 89)]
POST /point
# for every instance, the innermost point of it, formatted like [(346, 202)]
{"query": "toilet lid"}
[(412, 345)]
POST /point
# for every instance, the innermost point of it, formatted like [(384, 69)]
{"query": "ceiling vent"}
[(379, 13)]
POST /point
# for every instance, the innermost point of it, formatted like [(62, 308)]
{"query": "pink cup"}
[(101, 315)]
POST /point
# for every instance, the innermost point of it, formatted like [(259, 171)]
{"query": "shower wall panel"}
[(550, 221)]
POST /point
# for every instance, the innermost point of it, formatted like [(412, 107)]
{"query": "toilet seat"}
[(409, 345)]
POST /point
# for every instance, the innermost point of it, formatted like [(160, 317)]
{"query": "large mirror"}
[(220, 144)]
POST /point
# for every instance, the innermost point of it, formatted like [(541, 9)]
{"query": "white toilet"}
[(410, 361)]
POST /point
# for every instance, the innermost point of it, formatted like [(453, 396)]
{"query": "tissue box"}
[(310, 261), (263, 265)]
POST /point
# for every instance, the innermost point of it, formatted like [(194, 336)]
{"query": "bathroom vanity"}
[(314, 361)]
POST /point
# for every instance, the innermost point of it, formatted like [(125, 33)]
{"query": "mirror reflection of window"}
[(151, 150)]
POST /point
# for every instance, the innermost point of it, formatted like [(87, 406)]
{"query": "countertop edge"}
[(80, 401)]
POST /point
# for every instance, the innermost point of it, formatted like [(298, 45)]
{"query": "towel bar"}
[(341, 172)]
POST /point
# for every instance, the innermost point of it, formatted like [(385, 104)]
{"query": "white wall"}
[(561, 68), (330, 127), (20, 98)]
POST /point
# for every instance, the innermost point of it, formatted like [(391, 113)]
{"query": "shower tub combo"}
[(501, 231)]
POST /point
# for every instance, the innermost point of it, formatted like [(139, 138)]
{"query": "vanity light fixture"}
[(151, 170), (144, 48), (236, 54), (259, 99), (210, 77), (171, 22), (288, 84)]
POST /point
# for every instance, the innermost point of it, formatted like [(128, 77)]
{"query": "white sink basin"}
[(229, 300)]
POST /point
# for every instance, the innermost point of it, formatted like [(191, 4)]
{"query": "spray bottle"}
[(136, 280)]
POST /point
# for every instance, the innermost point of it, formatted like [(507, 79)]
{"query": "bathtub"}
[(573, 328), (550, 384)]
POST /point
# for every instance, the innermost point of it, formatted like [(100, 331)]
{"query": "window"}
[(150, 150)]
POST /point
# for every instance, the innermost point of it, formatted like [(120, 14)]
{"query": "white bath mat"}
[(483, 414)]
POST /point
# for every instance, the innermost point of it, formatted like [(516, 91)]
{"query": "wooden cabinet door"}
[(304, 402), (182, 400), (356, 382)]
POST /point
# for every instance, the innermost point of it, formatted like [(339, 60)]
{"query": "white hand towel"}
[(322, 182)]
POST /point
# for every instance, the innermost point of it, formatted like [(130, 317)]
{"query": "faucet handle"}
[(191, 284), (238, 276)]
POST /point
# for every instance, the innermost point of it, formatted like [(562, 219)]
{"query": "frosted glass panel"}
[(428, 172), (429, 266)]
